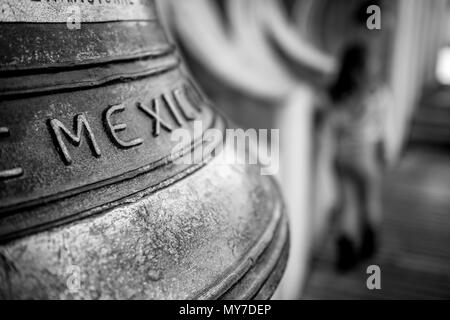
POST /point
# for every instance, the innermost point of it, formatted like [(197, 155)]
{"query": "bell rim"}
[(262, 279)]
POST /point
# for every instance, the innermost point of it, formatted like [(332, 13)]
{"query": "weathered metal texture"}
[(91, 189), (194, 239)]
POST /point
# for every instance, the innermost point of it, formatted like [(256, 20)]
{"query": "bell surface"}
[(97, 198)]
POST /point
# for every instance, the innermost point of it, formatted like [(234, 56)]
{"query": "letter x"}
[(154, 114)]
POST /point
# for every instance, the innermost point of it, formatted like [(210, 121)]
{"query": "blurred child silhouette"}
[(358, 120)]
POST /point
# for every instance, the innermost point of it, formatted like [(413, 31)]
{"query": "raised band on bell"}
[(224, 150), (93, 202)]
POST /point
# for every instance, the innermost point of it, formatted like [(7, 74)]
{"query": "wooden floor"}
[(414, 256)]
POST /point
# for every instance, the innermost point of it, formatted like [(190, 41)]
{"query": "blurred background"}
[(274, 64)]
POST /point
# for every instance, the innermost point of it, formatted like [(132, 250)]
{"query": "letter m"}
[(80, 125), (226, 310)]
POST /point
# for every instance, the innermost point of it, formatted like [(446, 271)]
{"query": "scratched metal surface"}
[(91, 10), (29, 46), (88, 179), (174, 244)]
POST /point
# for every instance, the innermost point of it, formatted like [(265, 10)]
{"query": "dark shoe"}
[(369, 243), (346, 254)]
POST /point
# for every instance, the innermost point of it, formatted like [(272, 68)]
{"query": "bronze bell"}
[(94, 202)]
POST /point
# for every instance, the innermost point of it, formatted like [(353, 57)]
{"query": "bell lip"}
[(258, 273), (261, 281)]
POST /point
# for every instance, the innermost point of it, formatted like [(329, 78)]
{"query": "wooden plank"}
[(415, 253)]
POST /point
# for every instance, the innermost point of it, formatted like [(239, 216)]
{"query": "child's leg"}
[(350, 220), (371, 192), (347, 223), (343, 218), (374, 205), (370, 204)]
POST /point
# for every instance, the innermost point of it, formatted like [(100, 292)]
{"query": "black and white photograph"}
[(229, 150)]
